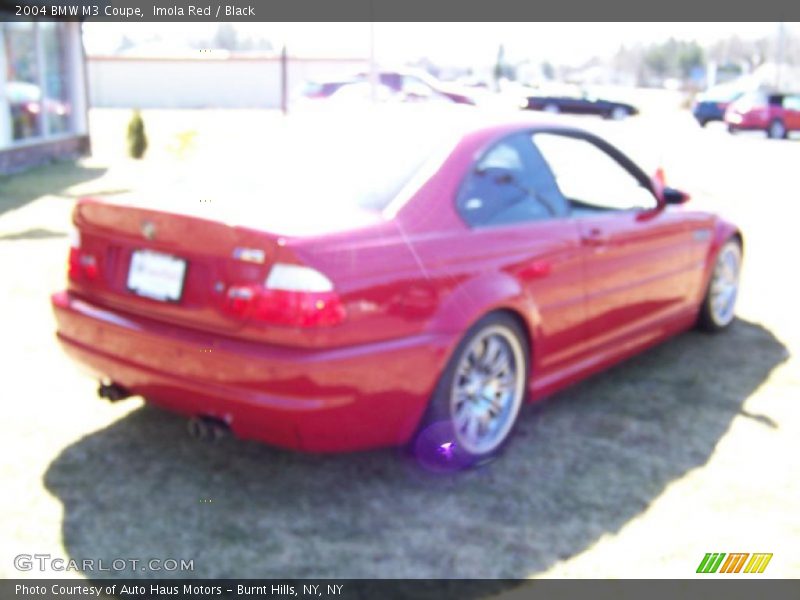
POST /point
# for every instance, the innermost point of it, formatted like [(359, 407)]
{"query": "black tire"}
[(731, 129), (437, 444), (708, 319), (777, 130)]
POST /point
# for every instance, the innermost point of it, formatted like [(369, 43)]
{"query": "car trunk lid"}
[(168, 265)]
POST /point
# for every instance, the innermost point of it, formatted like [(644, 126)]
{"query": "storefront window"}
[(37, 85), (22, 80), (56, 106)]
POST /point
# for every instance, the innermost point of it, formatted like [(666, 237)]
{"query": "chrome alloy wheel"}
[(725, 285), (487, 390)]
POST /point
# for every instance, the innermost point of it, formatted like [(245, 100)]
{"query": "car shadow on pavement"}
[(582, 465)]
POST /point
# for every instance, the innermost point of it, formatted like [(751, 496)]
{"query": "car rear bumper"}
[(342, 399)]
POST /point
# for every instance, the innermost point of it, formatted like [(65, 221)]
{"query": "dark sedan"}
[(712, 105), (580, 105)]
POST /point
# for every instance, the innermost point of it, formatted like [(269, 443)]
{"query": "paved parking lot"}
[(689, 448)]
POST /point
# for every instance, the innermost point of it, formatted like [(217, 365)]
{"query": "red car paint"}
[(757, 111), (589, 292)]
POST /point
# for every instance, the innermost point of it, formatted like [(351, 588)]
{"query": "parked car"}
[(583, 104), (774, 113), (420, 83), (359, 92), (405, 278), (711, 106), (410, 84)]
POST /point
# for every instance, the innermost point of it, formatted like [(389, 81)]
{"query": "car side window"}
[(591, 179), (776, 100), (510, 183), (791, 103)]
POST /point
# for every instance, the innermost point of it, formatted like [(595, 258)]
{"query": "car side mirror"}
[(674, 196)]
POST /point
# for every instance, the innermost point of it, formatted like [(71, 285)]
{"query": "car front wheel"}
[(717, 311), (478, 398)]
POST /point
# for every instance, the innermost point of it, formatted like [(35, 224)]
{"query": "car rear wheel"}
[(777, 130), (478, 398), (717, 311)]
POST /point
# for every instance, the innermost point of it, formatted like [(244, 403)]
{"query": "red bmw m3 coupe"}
[(389, 279)]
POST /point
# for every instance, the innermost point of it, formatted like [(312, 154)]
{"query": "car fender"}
[(476, 297), (723, 231)]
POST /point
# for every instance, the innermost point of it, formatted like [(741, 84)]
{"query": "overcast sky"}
[(447, 43)]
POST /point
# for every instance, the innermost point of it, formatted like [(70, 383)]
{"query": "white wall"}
[(204, 83)]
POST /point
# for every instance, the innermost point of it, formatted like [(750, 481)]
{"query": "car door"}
[(573, 105), (636, 254), (519, 219)]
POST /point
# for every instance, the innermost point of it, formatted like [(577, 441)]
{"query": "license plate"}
[(156, 275)]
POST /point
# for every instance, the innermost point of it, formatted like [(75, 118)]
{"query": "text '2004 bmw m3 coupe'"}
[(391, 280)]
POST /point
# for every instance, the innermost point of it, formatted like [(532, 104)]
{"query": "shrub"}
[(137, 138)]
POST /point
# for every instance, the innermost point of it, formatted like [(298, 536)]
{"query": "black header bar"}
[(397, 10)]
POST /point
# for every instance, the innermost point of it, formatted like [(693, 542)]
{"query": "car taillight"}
[(292, 295), (82, 266)]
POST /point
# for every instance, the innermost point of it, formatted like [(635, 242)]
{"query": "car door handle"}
[(594, 237)]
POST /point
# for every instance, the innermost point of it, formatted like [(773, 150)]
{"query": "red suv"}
[(776, 114)]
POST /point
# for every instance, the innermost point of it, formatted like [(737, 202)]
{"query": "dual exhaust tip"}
[(113, 392), (201, 427)]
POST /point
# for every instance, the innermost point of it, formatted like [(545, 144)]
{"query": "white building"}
[(43, 99), (211, 79)]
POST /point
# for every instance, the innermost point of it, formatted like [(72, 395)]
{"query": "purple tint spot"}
[(446, 449)]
